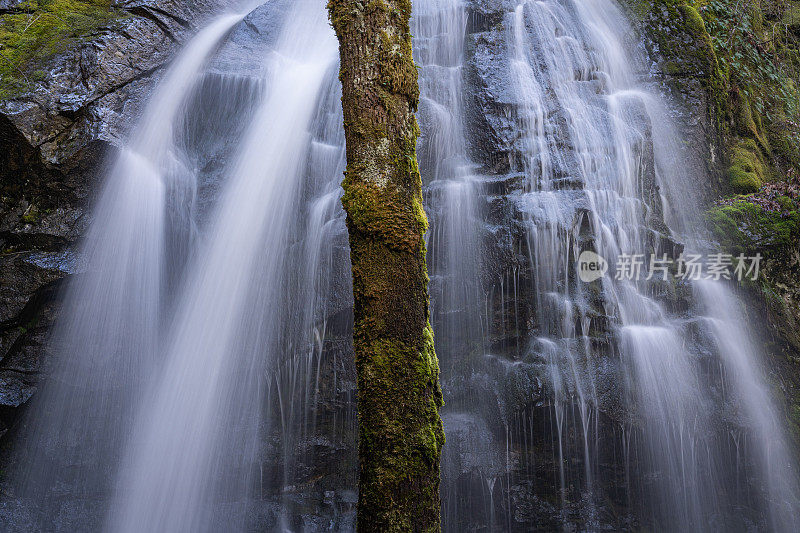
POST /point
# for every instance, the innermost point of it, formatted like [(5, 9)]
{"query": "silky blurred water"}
[(193, 356)]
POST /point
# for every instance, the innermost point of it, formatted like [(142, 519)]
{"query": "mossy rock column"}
[(399, 396)]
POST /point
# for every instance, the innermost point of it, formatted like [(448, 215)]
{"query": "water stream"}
[(105, 345), (195, 438), (204, 375), (594, 165)]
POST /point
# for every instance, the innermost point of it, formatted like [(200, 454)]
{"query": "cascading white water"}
[(451, 187), (214, 368), (194, 442), (319, 248), (595, 148), (747, 385), (438, 28), (105, 344), (582, 73), (593, 157)]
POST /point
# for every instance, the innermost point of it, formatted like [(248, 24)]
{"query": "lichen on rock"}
[(34, 31)]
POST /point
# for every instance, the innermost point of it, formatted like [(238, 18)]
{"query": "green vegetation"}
[(744, 226), (37, 30), (757, 46), (759, 56), (746, 54), (746, 171), (31, 215)]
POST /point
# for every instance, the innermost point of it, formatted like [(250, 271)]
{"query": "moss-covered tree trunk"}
[(400, 432)]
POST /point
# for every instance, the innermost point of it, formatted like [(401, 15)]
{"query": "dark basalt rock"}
[(252, 39), (52, 145)]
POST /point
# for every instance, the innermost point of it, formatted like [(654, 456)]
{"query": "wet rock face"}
[(52, 146), (683, 67), (92, 90), (252, 39), (513, 422), (9, 4), (54, 142)]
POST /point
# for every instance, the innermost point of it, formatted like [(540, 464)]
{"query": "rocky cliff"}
[(734, 67), (73, 76), (728, 67)]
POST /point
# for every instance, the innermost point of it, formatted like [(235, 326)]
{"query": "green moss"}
[(672, 68), (398, 373), (639, 8), (745, 227), (748, 121), (746, 171), (385, 213), (791, 16), (31, 215), (735, 49), (400, 433), (692, 20), (41, 29), (685, 48), (786, 203), (762, 59), (746, 53), (794, 418), (783, 140)]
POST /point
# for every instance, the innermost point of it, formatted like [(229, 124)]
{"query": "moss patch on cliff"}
[(678, 32), (676, 36), (746, 53), (744, 226), (759, 53), (746, 171), (39, 29)]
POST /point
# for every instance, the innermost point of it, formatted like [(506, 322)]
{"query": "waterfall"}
[(204, 374), (727, 328), (608, 369), (195, 437), (105, 343)]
